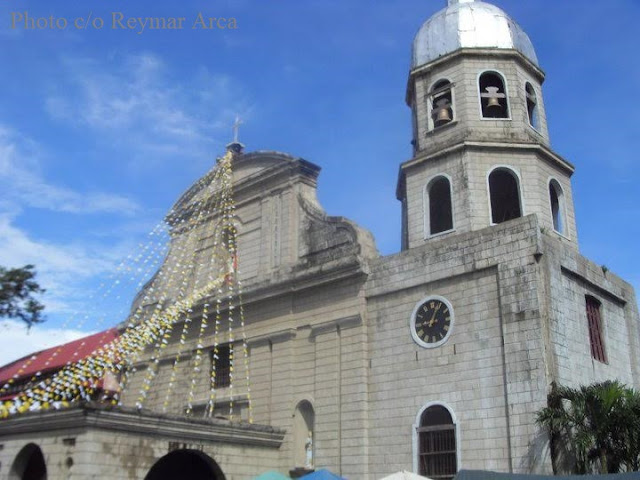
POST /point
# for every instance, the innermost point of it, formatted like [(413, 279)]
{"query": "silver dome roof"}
[(468, 24)]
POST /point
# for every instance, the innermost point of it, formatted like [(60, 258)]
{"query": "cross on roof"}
[(236, 127)]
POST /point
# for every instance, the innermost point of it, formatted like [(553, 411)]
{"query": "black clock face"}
[(432, 321)]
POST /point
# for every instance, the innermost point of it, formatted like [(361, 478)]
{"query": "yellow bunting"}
[(178, 295)]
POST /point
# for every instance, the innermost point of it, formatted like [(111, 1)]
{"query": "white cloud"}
[(16, 341), (137, 103), (65, 271), (19, 248), (21, 180), (132, 105), (69, 271)]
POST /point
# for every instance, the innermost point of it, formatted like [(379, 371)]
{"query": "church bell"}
[(494, 104), (493, 100), (443, 114)]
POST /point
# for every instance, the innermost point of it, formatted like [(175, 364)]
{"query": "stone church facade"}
[(432, 359)]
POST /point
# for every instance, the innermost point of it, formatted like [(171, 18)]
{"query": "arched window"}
[(414, 127), (493, 96), (556, 199), (405, 225), (437, 446), (504, 194), (532, 105), (438, 209), (303, 425), (29, 464), (441, 103)]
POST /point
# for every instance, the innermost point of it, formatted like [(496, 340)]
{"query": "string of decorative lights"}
[(194, 236), (218, 259), (179, 224), (93, 307), (81, 380)]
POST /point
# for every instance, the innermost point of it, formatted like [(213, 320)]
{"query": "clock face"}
[(431, 321)]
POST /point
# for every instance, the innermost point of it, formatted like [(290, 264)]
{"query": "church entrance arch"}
[(29, 464), (191, 464)]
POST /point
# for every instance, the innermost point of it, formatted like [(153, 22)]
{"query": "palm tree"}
[(564, 417), (629, 444), (594, 427)]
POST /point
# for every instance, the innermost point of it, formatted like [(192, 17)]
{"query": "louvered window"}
[(595, 330)]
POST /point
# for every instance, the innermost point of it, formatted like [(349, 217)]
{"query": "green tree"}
[(593, 428), (629, 444), (17, 290)]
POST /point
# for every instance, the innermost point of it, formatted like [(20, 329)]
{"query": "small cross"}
[(492, 92), (236, 127)]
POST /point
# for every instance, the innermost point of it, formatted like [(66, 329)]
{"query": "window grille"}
[(437, 438)]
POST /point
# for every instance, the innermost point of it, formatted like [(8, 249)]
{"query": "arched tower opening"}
[(556, 200), (493, 96), (504, 194), (441, 103), (438, 208), (532, 106)]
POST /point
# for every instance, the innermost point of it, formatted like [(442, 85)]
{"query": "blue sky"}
[(101, 130)]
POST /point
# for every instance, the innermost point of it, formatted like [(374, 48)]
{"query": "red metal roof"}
[(56, 357)]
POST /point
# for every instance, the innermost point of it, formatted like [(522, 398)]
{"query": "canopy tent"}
[(322, 474), (272, 475), (404, 475)]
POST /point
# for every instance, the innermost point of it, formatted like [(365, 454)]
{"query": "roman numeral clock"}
[(431, 321)]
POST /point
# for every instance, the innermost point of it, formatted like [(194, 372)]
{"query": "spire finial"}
[(235, 146), (236, 127)]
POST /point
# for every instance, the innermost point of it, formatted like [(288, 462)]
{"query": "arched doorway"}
[(191, 464), (29, 464)]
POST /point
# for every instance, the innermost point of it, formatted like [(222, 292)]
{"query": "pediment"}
[(247, 169)]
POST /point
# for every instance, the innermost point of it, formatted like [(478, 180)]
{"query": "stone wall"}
[(571, 278), (490, 372), (88, 443)]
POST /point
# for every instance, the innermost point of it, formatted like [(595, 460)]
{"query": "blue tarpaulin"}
[(322, 474), (272, 476)]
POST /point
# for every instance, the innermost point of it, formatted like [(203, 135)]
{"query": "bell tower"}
[(481, 150)]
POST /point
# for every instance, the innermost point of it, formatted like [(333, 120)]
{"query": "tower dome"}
[(468, 24)]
